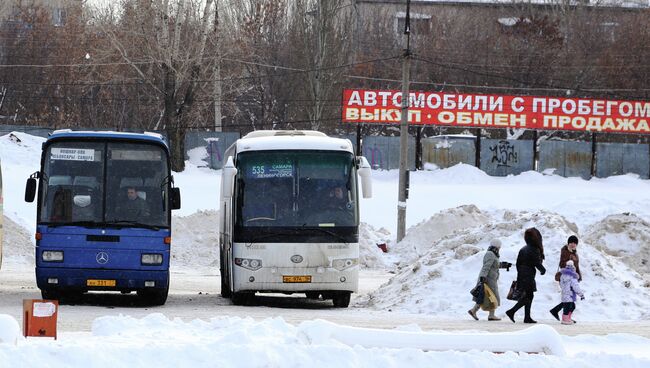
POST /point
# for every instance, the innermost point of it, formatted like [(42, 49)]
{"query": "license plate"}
[(110, 283), (296, 278)]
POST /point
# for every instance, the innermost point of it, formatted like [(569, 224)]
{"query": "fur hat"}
[(495, 243), (569, 264), (572, 239)]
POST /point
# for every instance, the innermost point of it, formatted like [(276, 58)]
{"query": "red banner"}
[(498, 111)]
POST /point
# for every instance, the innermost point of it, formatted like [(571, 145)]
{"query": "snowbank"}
[(9, 330), (438, 282), (195, 241), (626, 237), (536, 339)]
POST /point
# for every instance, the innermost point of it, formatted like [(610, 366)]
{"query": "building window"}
[(420, 23), (59, 16)]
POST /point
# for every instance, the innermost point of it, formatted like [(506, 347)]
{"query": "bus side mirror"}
[(30, 190), (228, 178), (364, 172), (175, 197)]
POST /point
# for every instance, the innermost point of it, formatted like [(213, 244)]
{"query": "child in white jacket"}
[(570, 289)]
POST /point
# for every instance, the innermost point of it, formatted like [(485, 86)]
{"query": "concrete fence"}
[(496, 157)]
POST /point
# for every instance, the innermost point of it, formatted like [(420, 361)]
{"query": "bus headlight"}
[(53, 256), (151, 259), (344, 263), (249, 264)]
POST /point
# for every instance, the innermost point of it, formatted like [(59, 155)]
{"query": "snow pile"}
[(195, 240), (9, 330), (275, 332), (439, 281), (537, 339), (156, 341), (626, 237), (370, 256), (420, 238), (198, 156), (18, 246), (20, 155)]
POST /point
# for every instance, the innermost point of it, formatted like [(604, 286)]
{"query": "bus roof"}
[(81, 134), (267, 140)]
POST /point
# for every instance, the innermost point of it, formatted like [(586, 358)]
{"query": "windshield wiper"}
[(132, 223), (268, 235), (74, 223), (337, 236)]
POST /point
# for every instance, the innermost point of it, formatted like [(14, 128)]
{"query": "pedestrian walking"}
[(569, 252), (529, 260), (570, 290), (490, 274)]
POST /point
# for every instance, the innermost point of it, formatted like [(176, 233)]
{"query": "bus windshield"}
[(296, 189), (94, 182)]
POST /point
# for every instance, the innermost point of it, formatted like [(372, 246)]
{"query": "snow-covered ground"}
[(452, 215)]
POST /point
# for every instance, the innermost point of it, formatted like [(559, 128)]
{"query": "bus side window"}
[(61, 205), (58, 199), (154, 196)]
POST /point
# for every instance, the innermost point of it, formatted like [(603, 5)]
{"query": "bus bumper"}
[(90, 279), (280, 280)]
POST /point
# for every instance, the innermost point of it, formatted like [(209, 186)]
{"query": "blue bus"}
[(103, 220)]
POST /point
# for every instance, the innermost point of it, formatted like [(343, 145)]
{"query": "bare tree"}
[(164, 43), (325, 29)]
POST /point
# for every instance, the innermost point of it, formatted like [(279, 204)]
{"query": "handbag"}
[(513, 293), (478, 293)]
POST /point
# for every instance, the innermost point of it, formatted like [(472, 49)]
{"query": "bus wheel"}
[(341, 300), (153, 296), (239, 298), (225, 288)]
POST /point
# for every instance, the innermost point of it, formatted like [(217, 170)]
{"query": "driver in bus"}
[(337, 198), (134, 207)]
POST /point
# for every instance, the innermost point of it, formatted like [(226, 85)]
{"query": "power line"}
[(536, 86)]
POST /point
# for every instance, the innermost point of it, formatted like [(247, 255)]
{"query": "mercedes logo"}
[(296, 258), (102, 257)]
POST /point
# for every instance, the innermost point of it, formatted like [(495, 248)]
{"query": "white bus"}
[(1, 216), (289, 216)]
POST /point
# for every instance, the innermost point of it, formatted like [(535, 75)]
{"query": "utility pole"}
[(217, 72), (404, 129)]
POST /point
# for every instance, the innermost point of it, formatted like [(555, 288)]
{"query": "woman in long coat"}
[(490, 274), (528, 261)]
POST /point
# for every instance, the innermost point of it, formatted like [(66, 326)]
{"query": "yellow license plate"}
[(296, 278), (110, 283)]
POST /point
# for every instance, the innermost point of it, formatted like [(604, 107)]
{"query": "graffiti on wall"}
[(374, 155), (504, 154), (214, 152)]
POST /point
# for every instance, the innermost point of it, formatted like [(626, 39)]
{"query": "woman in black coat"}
[(528, 261)]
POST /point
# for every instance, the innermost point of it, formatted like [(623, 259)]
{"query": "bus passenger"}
[(134, 207)]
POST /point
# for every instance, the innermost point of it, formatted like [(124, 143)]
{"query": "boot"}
[(472, 312), (555, 312), (527, 318), (511, 314), (493, 317), (566, 319), (571, 314)]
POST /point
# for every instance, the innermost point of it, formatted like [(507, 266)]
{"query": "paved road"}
[(195, 295)]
